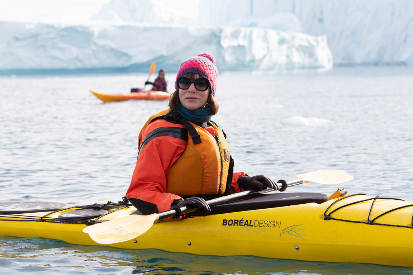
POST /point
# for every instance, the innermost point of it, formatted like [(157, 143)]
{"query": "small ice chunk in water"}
[(299, 121)]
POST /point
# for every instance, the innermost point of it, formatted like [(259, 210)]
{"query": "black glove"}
[(256, 183), (192, 202), (147, 82)]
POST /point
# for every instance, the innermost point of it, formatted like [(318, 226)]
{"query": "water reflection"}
[(54, 257)]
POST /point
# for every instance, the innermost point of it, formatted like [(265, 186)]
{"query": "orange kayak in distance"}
[(149, 95)]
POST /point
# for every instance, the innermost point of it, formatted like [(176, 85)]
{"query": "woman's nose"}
[(192, 88)]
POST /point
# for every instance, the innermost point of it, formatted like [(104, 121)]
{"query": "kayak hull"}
[(149, 95), (298, 232)]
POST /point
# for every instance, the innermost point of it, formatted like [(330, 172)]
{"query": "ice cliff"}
[(358, 32), (47, 46), (241, 34)]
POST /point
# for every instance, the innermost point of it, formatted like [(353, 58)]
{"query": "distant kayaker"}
[(160, 82), (183, 156)]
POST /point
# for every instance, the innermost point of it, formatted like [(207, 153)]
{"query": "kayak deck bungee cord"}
[(87, 214), (382, 212)]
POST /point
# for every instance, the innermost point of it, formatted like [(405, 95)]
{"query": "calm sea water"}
[(60, 143)]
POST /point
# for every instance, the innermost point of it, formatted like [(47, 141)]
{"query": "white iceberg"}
[(51, 46), (241, 34), (358, 32)]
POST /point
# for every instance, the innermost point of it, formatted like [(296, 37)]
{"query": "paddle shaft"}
[(151, 70), (224, 199), (147, 80)]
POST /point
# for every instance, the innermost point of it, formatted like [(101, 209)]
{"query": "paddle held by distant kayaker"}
[(160, 82), (183, 155)]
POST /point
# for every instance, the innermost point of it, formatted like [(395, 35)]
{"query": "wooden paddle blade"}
[(122, 229), (152, 69), (326, 176)]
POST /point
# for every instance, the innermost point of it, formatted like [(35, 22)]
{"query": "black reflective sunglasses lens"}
[(201, 84), (184, 82)]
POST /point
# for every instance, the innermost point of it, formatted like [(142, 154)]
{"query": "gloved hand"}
[(256, 183), (147, 82), (192, 202)]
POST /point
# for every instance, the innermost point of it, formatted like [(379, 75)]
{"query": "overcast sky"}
[(49, 10), (65, 11)]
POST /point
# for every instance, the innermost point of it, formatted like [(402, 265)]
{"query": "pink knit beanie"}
[(204, 65)]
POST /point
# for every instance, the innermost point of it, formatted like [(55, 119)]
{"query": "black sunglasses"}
[(201, 84)]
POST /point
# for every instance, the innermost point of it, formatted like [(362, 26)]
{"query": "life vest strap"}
[(230, 174), (191, 129), (174, 132)]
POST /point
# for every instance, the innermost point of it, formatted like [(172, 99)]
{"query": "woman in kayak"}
[(183, 156), (160, 82)]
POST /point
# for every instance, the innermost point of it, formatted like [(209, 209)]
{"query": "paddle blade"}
[(326, 176), (152, 69), (120, 230)]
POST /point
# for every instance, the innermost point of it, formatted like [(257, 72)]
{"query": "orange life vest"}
[(202, 169)]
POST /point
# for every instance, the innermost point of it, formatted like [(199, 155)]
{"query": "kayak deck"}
[(149, 95), (357, 229)]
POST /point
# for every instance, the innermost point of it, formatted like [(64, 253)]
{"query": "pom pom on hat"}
[(207, 55), (202, 64)]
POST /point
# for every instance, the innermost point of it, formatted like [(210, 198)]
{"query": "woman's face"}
[(161, 75), (193, 99)]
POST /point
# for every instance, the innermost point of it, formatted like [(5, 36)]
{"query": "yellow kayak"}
[(149, 95), (299, 226)]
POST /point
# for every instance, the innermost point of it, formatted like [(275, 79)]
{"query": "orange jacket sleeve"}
[(156, 158), (234, 187)]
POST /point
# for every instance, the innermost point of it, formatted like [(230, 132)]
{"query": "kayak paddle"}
[(326, 176), (151, 70), (132, 226)]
